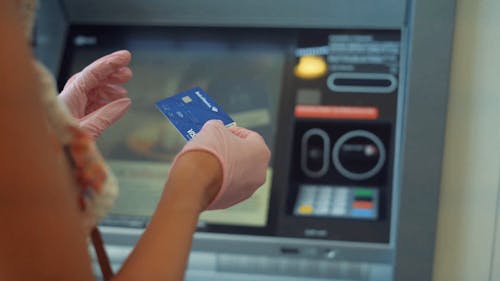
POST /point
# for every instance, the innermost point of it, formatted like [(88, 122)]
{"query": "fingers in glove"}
[(120, 76), (240, 132), (71, 80), (98, 121), (109, 92), (118, 59), (104, 95)]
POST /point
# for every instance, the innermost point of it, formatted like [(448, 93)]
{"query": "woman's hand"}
[(95, 96), (243, 157)]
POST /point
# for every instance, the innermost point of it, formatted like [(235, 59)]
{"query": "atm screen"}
[(325, 102), (241, 71)]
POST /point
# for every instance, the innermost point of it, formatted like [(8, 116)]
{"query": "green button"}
[(363, 192)]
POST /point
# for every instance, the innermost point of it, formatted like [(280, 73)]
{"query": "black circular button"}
[(358, 155)]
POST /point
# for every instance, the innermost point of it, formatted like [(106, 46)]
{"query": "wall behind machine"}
[(468, 239)]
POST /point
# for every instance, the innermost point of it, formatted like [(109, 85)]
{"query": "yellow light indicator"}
[(187, 99), (306, 209), (310, 67)]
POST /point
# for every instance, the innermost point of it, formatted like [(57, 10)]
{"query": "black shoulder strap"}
[(102, 257)]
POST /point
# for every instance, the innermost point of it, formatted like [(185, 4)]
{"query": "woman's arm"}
[(218, 168), (162, 251)]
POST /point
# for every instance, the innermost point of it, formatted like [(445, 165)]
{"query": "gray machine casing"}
[(426, 29)]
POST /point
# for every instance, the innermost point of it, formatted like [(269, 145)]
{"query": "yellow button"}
[(311, 67), (306, 209)]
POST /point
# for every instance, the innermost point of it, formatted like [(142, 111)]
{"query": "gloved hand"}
[(95, 95), (243, 155)]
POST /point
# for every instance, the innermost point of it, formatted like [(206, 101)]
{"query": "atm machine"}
[(350, 96)]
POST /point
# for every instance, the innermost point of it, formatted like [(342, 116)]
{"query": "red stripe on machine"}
[(336, 112)]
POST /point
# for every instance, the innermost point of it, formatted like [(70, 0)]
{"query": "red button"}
[(362, 205)]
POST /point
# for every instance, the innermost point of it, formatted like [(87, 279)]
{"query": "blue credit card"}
[(188, 111)]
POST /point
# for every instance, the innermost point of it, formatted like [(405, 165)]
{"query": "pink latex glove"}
[(95, 95), (243, 155)]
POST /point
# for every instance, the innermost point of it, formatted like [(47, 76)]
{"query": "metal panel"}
[(278, 13), (270, 246), (430, 38)]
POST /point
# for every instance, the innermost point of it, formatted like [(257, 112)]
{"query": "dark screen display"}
[(240, 69)]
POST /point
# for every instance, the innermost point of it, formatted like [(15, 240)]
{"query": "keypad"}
[(337, 201)]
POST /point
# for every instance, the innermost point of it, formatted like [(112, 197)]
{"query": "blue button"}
[(363, 213)]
